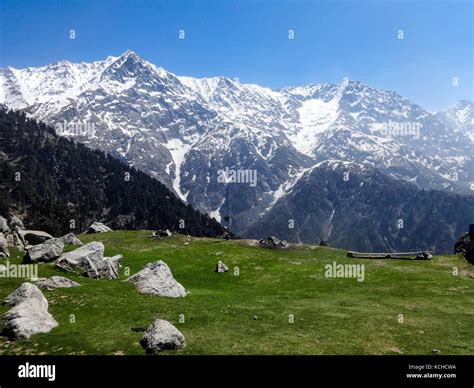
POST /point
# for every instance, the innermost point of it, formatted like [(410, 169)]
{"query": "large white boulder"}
[(34, 237), (89, 261), (98, 227), (156, 279), (29, 315), (48, 251)]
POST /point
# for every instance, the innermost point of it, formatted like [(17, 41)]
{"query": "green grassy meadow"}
[(249, 310)]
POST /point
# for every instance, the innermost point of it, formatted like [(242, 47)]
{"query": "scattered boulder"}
[(48, 251), (29, 314), (323, 243), (89, 261), (4, 228), (161, 233), (71, 239), (34, 237), (273, 242), (162, 335), (98, 227), (156, 279), (4, 252), (221, 267), (424, 256), (56, 282)]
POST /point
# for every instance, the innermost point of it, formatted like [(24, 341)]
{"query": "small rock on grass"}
[(160, 336), (221, 267)]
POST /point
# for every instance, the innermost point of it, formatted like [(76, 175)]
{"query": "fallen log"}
[(421, 255)]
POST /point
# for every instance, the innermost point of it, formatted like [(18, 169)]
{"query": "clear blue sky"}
[(249, 40)]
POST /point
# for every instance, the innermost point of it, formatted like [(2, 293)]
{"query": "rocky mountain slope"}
[(361, 208)]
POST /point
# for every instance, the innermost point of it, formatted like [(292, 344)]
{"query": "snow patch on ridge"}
[(315, 117), (178, 151)]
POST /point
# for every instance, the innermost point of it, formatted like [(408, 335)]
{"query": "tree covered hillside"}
[(59, 186)]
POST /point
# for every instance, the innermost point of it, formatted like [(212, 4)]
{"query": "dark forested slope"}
[(59, 186)]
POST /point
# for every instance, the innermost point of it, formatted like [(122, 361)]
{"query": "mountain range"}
[(186, 132)]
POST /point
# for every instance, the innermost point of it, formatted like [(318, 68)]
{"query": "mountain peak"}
[(129, 53)]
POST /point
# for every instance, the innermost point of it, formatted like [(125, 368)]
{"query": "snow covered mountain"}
[(186, 132)]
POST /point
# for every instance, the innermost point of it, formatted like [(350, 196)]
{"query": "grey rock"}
[(34, 237), (16, 224), (221, 267), (273, 242), (98, 227), (14, 239), (424, 256), (25, 291), (4, 252), (89, 261), (56, 282), (71, 239), (156, 279), (162, 335), (161, 233), (48, 251), (29, 314), (4, 228)]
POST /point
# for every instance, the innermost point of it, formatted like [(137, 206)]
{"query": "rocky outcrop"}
[(160, 336), (273, 242), (98, 227), (16, 224), (4, 228), (4, 252), (56, 282), (221, 267), (71, 239), (48, 251), (29, 315), (15, 240), (89, 261), (156, 279), (12, 235)]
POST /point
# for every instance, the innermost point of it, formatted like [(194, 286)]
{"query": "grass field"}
[(250, 312)]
